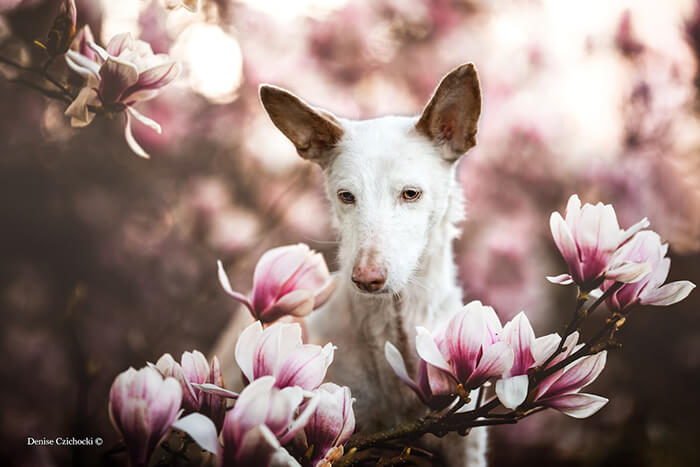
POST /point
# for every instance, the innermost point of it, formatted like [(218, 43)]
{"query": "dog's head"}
[(388, 179)]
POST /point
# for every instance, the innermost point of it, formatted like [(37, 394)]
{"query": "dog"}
[(396, 205)]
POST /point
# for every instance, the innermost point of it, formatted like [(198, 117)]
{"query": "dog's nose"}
[(369, 278)]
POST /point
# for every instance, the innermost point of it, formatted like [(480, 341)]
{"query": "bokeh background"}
[(108, 260)]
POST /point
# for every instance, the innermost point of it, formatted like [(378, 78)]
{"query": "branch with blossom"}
[(473, 370), (115, 78)]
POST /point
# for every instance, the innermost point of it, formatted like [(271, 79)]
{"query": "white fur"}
[(376, 160)]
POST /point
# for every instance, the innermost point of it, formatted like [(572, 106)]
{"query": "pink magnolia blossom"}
[(331, 424), (529, 352), (81, 43), (264, 419), (142, 406), (126, 73), (289, 280), (469, 352), (587, 240), (193, 372), (278, 351), (561, 390), (647, 247)]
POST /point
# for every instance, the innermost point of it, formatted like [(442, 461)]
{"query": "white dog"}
[(395, 202)]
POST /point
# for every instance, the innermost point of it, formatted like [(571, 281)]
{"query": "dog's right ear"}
[(313, 132)]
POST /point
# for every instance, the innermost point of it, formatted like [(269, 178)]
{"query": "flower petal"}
[(82, 65), (428, 350), (117, 76), (565, 243), (577, 405), (628, 272), (512, 391), (211, 388), (152, 124), (296, 303), (78, 109), (245, 349), (671, 293), (131, 141), (496, 360), (202, 431), (562, 279), (396, 362)]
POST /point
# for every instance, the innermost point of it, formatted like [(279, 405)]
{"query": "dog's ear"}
[(451, 116), (313, 132)]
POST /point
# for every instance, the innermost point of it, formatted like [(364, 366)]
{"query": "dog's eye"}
[(411, 194), (346, 197)]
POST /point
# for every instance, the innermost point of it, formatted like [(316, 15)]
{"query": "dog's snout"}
[(369, 278)]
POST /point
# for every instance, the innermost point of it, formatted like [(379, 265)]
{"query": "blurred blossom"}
[(63, 29), (142, 406), (331, 424), (625, 39), (647, 247), (213, 61), (289, 280), (587, 240), (278, 351), (529, 352), (263, 419), (192, 371), (561, 390), (152, 22), (128, 72), (192, 5)]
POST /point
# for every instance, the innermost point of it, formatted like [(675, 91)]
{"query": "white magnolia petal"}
[(562, 279), (78, 109), (82, 65), (211, 388), (131, 141), (152, 124), (671, 293), (428, 350), (202, 431), (396, 361), (245, 348), (628, 272), (577, 405), (512, 391)]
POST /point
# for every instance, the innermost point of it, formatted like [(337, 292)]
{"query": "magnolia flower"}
[(191, 373), (587, 240), (289, 280), (529, 352), (647, 247), (560, 390), (191, 5), (278, 351), (331, 424), (468, 352), (142, 406), (262, 421), (125, 73)]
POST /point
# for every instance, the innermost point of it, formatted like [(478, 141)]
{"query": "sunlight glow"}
[(288, 10)]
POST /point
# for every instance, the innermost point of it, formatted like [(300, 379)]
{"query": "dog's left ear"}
[(451, 117)]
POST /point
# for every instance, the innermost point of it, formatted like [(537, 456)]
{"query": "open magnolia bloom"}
[(646, 247), (529, 352), (142, 406), (468, 352), (264, 419), (289, 280), (331, 424), (191, 373), (278, 351), (587, 240), (123, 74)]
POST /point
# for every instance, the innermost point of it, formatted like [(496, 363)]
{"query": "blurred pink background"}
[(108, 260)]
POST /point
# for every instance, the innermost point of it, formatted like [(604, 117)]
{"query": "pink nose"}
[(369, 278)]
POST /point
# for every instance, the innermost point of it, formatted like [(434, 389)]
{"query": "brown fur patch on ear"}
[(313, 132), (452, 115)]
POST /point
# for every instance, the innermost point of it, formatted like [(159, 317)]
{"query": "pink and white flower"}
[(142, 406), (278, 351), (193, 372), (529, 352), (331, 424), (263, 420), (289, 280), (469, 351), (561, 390), (647, 247), (587, 240), (126, 73)]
